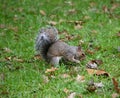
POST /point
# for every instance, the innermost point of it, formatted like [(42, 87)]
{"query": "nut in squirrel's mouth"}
[(82, 57)]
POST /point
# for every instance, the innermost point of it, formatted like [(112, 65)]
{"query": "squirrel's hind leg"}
[(55, 61)]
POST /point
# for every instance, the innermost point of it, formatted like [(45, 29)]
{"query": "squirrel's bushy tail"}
[(46, 37)]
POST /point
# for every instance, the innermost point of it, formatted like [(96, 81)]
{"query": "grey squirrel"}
[(51, 49)]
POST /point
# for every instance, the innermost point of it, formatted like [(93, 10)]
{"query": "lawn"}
[(93, 24)]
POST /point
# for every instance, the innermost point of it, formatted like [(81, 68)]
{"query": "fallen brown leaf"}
[(97, 72), (69, 37), (115, 95), (20, 9), (118, 34), (93, 64), (90, 86), (105, 9), (67, 91), (116, 86), (69, 3), (97, 48), (65, 76), (72, 11), (78, 26), (42, 12), (76, 22), (53, 23), (99, 62), (14, 28), (8, 58), (53, 16), (80, 78), (87, 17), (45, 79), (72, 95), (18, 59), (114, 6), (37, 57), (53, 69), (8, 50), (90, 51), (92, 4), (98, 85), (2, 76), (4, 93)]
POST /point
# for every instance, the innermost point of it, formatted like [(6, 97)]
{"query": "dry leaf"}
[(53, 16), (91, 87), (76, 22), (53, 23), (37, 57), (91, 65), (97, 72), (118, 34), (105, 9), (94, 64), (8, 50), (53, 69), (115, 95), (69, 3), (14, 28), (116, 86), (78, 26), (8, 58), (61, 21), (87, 17), (20, 9), (81, 42), (90, 52), (18, 59), (2, 76), (72, 11), (92, 4), (114, 6), (72, 95), (42, 12), (66, 90), (99, 62), (65, 76), (69, 37), (4, 93), (98, 85), (45, 79), (97, 48), (80, 78)]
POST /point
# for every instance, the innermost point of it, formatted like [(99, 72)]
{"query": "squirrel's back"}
[(46, 37)]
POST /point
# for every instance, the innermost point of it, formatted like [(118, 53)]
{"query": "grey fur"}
[(46, 37)]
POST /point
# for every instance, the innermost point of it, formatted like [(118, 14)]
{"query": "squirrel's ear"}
[(79, 48)]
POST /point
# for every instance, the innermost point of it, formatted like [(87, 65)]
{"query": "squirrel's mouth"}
[(82, 57)]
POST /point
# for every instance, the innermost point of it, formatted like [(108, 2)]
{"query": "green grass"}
[(20, 21)]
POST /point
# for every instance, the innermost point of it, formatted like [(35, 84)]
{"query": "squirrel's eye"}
[(83, 54)]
